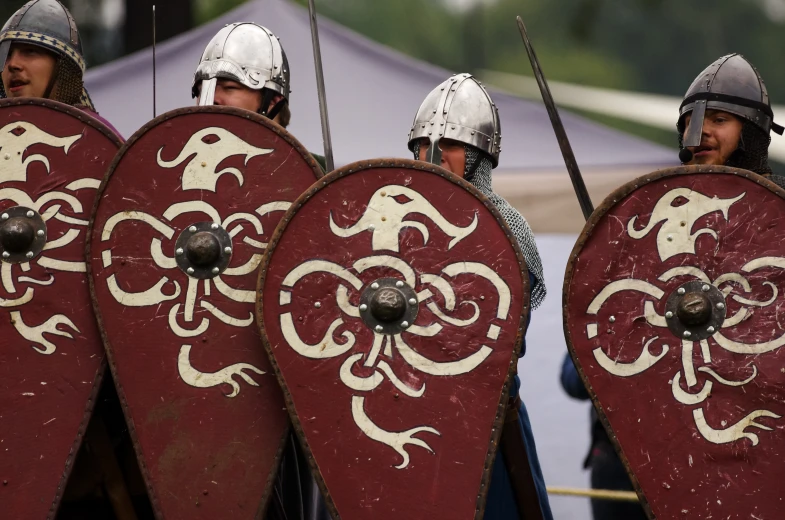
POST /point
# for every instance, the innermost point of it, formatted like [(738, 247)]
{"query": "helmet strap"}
[(276, 109), (267, 98)]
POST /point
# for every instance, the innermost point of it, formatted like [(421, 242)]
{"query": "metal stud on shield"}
[(673, 304), (183, 219), (392, 302), (52, 159)]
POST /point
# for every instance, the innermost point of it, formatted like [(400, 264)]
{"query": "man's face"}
[(453, 155), (28, 71), (229, 93), (720, 138)]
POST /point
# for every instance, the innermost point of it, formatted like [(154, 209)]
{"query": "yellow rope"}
[(603, 494)]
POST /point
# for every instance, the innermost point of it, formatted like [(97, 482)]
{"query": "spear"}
[(558, 127), (317, 60)]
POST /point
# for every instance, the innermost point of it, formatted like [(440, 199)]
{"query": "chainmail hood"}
[(478, 173)]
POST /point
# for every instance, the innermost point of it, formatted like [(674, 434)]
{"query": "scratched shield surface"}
[(392, 302), (183, 218), (52, 160), (674, 312)]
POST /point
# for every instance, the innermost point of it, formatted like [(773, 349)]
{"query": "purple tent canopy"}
[(373, 93)]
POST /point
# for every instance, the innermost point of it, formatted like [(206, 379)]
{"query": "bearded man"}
[(726, 118)]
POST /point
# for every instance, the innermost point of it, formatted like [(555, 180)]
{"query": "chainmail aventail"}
[(480, 177)]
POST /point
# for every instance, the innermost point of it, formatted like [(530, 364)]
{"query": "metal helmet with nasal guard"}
[(459, 109), (730, 84), (48, 24), (246, 53)]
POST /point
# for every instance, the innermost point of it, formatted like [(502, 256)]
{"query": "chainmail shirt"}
[(779, 180), (479, 175)]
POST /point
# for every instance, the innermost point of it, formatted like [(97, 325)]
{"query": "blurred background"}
[(618, 68), (621, 64), (647, 46)]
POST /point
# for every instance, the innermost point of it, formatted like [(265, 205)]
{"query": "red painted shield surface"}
[(182, 221), (393, 303), (673, 313), (52, 158)]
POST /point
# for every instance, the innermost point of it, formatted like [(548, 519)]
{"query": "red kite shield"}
[(392, 303), (673, 314), (52, 158), (183, 218)]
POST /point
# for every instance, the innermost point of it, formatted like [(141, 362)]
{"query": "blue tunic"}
[(501, 503)]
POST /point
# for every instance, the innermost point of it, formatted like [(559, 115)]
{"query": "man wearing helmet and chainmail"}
[(725, 118), (245, 66), (41, 56), (468, 144)]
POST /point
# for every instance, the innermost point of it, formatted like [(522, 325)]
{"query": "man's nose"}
[(13, 62)]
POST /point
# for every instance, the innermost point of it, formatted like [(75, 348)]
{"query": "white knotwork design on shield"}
[(15, 140), (206, 149), (676, 237), (384, 218)]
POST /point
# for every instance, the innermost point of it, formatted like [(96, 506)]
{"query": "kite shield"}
[(673, 310), (393, 300), (183, 218), (52, 160)]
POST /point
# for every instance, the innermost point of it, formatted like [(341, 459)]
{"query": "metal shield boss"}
[(673, 313), (392, 301), (52, 159), (183, 218)]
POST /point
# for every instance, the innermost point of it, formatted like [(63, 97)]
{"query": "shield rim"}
[(104, 129), (73, 111), (608, 204), (501, 409), (213, 109)]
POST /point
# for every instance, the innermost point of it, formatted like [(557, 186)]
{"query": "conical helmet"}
[(246, 53), (730, 84), (462, 110)]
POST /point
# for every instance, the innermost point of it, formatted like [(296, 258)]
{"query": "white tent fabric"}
[(372, 91)]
